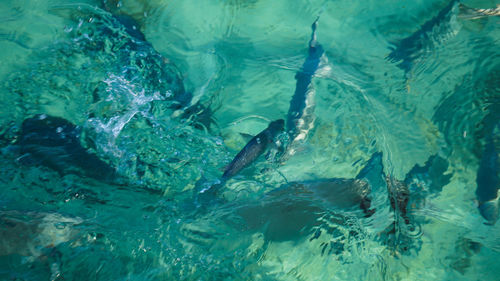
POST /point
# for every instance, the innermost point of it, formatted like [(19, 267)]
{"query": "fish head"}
[(276, 127), (47, 130), (489, 211)]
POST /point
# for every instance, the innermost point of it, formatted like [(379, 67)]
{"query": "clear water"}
[(239, 58)]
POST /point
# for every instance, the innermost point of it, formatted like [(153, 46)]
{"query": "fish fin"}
[(475, 25), (14, 150), (373, 166), (28, 160), (468, 13), (365, 205), (399, 196), (432, 175), (247, 137), (206, 192)]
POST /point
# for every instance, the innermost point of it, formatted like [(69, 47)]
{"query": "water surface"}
[(237, 60)]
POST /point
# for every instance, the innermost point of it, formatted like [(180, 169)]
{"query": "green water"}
[(238, 59)]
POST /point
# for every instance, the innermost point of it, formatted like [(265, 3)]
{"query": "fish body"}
[(435, 31), (408, 194), (34, 233), (300, 117), (253, 149), (472, 13), (55, 142), (339, 192), (334, 192), (488, 179), (295, 208), (206, 192)]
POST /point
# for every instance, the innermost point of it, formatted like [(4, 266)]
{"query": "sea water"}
[(239, 59)]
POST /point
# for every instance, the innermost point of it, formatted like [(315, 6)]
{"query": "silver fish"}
[(253, 149), (300, 117), (472, 13), (206, 193)]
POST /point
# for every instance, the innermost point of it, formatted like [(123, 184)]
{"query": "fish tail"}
[(313, 42)]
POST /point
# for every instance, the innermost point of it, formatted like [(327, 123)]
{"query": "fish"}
[(205, 193), (54, 142), (300, 116), (337, 192), (36, 236), (253, 149), (131, 26), (488, 178), (33, 233), (199, 114), (156, 67), (473, 13), (286, 212), (434, 31)]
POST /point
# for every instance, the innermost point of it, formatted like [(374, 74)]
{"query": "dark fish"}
[(130, 23), (335, 192), (288, 211), (55, 142), (434, 31), (488, 179), (294, 210), (253, 149), (432, 174), (300, 117)]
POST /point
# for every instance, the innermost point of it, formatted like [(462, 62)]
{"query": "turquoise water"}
[(167, 115)]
